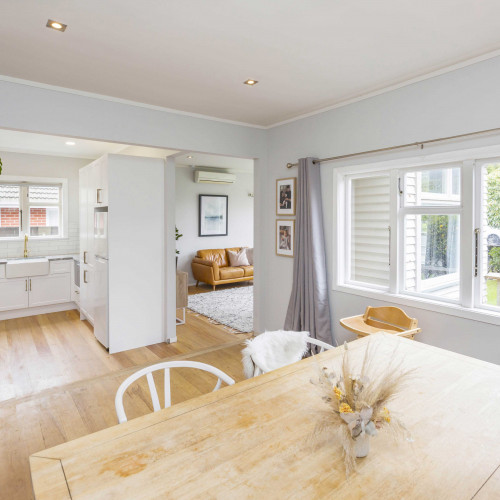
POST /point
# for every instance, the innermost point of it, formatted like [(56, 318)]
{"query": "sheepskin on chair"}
[(272, 350)]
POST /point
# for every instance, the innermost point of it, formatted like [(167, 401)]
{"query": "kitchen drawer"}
[(60, 266), (2, 271)]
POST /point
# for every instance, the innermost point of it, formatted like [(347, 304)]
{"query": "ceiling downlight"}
[(56, 25)]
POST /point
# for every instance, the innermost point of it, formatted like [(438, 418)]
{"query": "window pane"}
[(43, 194), (44, 221), (432, 187), (10, 220), (490, 235), (370, 230), (432, 255)]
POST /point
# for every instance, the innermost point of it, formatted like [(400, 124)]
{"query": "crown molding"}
[(30, 83), (345, 102), (383, 90)]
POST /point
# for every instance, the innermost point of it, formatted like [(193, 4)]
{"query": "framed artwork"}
[(285, 237), (213, 215), (286, 196)]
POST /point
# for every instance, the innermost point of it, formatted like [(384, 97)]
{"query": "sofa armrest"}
[(205, 269)]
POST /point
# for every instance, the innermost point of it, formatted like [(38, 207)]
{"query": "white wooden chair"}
[(167, 365), (272, 350)]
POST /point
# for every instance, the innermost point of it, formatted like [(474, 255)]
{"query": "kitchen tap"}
[(25, 246)]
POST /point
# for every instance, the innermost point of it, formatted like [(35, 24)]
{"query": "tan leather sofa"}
[(212, 266)]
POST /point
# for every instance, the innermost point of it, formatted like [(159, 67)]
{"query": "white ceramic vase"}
[(362, 445)]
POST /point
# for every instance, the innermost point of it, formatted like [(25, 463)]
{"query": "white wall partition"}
[(28, 107)]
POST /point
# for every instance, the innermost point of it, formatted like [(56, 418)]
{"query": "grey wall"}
[(457, 102), (240, 215), (30, 108)]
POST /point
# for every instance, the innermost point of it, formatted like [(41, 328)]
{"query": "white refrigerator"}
[(101, 321)]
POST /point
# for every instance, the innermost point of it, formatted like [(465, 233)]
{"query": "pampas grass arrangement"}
[(358, 403)]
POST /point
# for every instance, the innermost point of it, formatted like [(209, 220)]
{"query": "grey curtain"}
[(309, 307)]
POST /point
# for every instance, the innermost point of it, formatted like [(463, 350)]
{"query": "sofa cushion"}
[(248, 270), (227, 273), (238, 258), (250, 255), (214, 254)]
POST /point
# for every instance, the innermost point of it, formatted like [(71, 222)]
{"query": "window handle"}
[(476, 251)]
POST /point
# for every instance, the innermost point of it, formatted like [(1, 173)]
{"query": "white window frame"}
[(469, 159), (24, 182), (434, 209)]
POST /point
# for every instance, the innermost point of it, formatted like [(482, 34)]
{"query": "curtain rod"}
[(392, 148)]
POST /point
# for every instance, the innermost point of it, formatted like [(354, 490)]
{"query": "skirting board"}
[(33, 311)]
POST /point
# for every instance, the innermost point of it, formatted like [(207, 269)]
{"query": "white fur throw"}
[(272, 350)]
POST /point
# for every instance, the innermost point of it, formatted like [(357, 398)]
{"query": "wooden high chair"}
[(382, 319)]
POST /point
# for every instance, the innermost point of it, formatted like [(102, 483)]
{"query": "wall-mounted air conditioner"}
[(208, 177)]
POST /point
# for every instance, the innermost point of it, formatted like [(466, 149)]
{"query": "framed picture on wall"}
[(213, 215), (285, 237), (286, 196)]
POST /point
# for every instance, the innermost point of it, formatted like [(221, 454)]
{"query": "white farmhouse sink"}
[(20, 268)]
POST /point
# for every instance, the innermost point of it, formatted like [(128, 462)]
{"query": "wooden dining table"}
[(255, 439)]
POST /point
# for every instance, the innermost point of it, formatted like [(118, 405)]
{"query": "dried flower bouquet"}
[(358, 403)]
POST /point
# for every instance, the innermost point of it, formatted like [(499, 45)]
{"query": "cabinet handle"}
[(26, 282), (98, 195), (85, 258), (85, 277), (30, 284)]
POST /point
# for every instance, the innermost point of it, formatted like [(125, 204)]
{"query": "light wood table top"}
[(252, 440)]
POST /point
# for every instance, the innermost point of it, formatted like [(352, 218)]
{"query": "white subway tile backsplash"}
[(43, 247)]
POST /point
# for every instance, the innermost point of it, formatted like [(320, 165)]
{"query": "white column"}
[(169, 288)]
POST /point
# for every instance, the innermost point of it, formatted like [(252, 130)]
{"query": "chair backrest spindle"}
[(166, 366)]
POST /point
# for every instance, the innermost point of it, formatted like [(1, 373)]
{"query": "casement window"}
[(32, 209), (429, 233)]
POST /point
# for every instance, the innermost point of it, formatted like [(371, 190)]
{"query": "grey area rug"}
[(232, 307)]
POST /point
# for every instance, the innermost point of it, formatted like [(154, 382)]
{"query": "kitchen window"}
[(31, 209), (427, 233)]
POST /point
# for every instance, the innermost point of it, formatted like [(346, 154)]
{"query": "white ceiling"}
[(40, 144), (25, 142), (193, 55), (199, 161)]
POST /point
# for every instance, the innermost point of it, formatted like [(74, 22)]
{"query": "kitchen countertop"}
[(75, 257)]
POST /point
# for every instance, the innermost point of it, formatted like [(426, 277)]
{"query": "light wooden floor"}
[(52, 350), (58, 383)]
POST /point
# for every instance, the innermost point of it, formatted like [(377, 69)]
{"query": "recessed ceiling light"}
[(251, 82), (70, 143), (189, 157), (55, 25)]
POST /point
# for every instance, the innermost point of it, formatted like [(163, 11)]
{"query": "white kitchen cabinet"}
[(87, 203), (124, 294), (101, 182), (13, 294), (49, 289)]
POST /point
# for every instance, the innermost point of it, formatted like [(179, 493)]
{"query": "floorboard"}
[(57, 383)]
